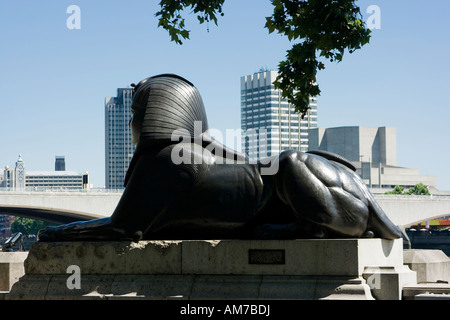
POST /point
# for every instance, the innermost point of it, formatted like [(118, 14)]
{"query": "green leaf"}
[(185, 34), (324, 28)]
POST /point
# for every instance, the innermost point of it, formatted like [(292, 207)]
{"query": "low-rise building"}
[(373, 151), (18, 178)]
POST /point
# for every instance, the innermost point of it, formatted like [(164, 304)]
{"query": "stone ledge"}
[(387, 282), (105, 258), (11, 268), (190, 287), (411, 291), (230, 269), (430, 265), (347, 257)]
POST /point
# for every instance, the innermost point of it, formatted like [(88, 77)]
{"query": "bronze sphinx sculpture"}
[(311, 195)]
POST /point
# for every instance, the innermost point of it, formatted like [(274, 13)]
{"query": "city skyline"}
[(119, 148), (55, 79), (269, 122)]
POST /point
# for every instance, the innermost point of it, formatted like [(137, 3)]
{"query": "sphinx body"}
[(311, 195)]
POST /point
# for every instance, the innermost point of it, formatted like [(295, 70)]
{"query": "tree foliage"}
[(27, 226), (321, 29), (397, 190), (419, 189), (325, 28), (170, 17)]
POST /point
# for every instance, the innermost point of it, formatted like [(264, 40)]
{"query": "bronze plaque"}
[(266, 256)]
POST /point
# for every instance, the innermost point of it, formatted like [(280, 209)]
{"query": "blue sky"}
[(54, 80)]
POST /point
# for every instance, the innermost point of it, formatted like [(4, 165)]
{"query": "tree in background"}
[(419, 189), (397, 190), (323, 28), (27, 226)]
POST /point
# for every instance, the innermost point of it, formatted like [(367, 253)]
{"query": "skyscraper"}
[(119, 148), (269, 122), (60, 163)]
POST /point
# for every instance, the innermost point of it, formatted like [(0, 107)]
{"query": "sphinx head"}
[(163, 104)]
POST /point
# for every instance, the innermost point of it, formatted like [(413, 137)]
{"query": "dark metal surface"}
[(312, 195)]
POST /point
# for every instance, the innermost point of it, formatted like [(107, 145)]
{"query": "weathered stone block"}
[(11, 268), (230, 269), (430, 265), (103, 258)]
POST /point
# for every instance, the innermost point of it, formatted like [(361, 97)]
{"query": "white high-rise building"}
[(269, 122), (119, 148)]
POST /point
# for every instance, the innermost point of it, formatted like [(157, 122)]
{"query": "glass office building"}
[(119, 148), (270, 123), (60, 163)]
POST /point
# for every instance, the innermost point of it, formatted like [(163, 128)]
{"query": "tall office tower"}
[(269, 123), (119, 148), (60, 163)]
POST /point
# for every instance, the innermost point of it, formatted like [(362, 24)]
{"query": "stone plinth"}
[(387, 283), (238, 269), (430, 265), (436, 290), (11, 268)]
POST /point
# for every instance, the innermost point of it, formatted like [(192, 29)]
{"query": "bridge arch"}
[(406, 210), (59, 207), (430, 218), (56, 216)]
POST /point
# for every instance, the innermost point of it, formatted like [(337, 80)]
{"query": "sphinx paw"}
[(368, 234)]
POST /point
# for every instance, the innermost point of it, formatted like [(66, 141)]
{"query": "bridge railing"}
[(104, 190), (58, 189), (412, 197)]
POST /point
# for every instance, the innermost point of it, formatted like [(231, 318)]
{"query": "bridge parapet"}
[(84, 205), (407, 210), (403, 210)]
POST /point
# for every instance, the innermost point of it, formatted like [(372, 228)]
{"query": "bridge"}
[(64, 207), (59, 207), (407, 210)]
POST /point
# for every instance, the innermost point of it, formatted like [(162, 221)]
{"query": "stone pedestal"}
[(430, 265), (238, 269), (433, 275), (387, 283), (11, 268)]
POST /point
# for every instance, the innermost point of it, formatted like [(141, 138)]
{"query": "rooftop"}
[(52, 173)]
